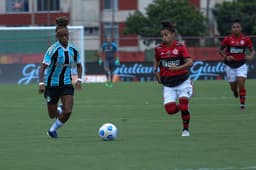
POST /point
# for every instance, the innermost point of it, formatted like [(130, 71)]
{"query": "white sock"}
[(57, 124)]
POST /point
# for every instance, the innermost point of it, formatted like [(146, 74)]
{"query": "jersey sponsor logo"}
[(169, 63), (235, 50)]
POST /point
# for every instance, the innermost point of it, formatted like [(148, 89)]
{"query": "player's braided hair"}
[(61, 22), (168, 25)]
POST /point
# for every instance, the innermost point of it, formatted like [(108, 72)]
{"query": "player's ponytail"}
[(61, 22)]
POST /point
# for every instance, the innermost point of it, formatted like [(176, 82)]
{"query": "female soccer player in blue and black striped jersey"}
[(55, 79)]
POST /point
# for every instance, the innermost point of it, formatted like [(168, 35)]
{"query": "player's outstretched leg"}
[(242, 94), (185, 116), (235, 93), (233, 87), (108, 75)]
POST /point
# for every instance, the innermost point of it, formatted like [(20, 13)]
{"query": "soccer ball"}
[(108, 131)]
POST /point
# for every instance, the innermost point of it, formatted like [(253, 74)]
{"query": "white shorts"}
[(171, 94), (233, 73)]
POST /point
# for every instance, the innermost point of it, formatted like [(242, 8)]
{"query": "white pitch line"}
[(224, 168), (216, 98)]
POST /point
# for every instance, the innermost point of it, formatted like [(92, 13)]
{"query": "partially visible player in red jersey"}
[(173, 61), (233, 48)]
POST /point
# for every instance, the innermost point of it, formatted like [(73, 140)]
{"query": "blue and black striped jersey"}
[(60, 61)]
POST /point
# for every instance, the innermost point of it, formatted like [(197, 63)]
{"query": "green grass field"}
[(222, 136)]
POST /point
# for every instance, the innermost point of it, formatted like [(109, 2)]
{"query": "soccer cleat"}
[(52, 134), (235, 93), (185, 133), (242, 106), (108, 84)]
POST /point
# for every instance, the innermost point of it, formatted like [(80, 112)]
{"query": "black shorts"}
[(110, 64), (52, 94)]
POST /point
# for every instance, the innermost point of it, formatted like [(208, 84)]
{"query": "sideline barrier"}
[(128, 71)]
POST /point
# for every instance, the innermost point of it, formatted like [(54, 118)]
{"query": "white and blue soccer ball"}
[(108, 131)]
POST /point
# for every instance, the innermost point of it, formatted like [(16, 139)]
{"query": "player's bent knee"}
[(171, 108)]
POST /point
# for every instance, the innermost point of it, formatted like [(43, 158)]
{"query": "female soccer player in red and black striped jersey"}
[(171, 68), (233, 48)]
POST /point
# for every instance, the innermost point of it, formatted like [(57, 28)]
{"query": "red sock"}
[(185, 115), (242, 94), (185, 119)]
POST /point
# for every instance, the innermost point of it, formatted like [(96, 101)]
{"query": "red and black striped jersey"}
[(176, 54), (236, 47)]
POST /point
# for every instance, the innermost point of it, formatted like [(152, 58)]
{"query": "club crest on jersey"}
[(242, 42), (175, 51)]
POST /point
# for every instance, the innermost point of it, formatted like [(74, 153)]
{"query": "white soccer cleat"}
[(185, 133)]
